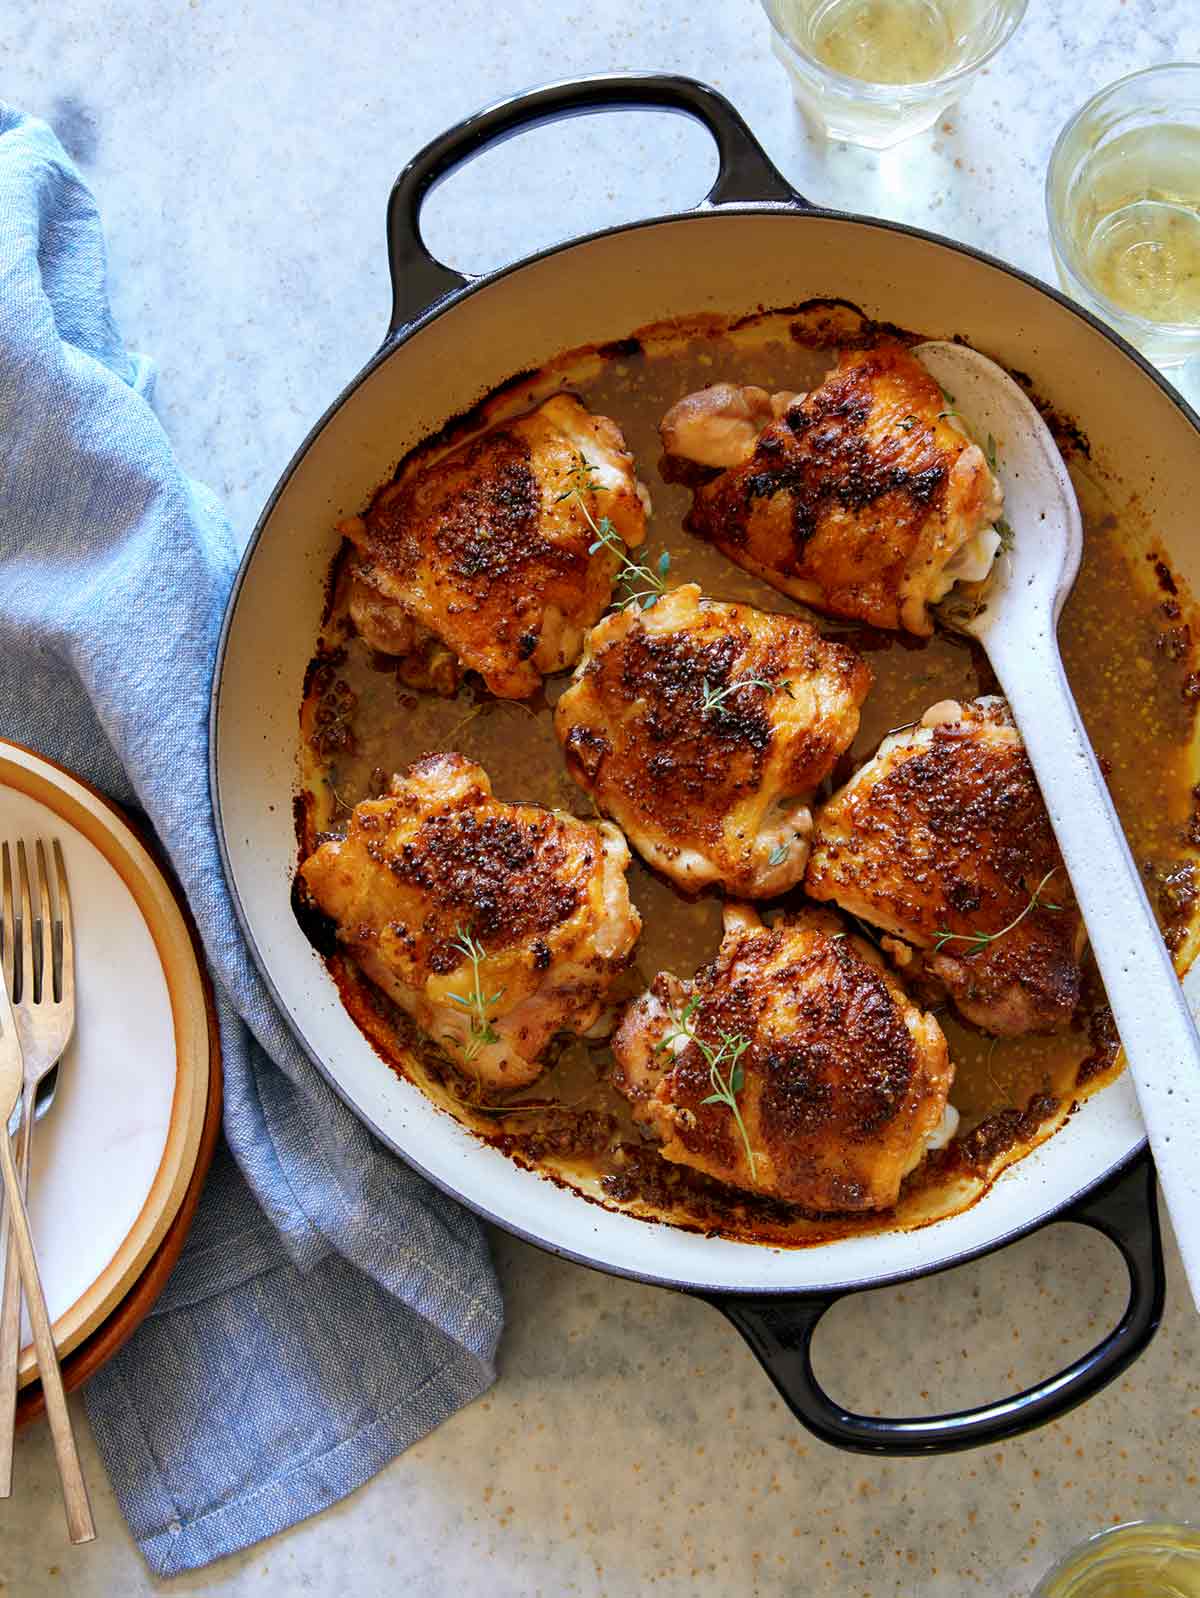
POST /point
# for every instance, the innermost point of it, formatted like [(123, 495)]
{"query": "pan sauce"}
[(1129, 653)]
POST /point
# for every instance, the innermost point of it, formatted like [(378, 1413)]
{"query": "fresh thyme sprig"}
[(477, 1002), (987, 1066), (338, 802), (518, 1107), (1002, 525), (980, 940), (715, 697), (646, 584), (724, 1070)]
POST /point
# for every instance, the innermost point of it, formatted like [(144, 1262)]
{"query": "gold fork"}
[(39, 968), (80, 1525)]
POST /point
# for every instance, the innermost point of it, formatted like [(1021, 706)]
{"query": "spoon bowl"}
[(1033, 576), (1015, 618)]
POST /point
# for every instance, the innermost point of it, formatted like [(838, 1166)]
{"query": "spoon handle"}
[(1144, 992)]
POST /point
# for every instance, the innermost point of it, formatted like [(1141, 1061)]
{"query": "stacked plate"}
[(121, 1155)]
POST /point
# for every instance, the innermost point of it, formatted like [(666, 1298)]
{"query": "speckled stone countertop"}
[(242, 155)]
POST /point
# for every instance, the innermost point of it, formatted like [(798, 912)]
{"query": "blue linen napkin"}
[(330, 1307)]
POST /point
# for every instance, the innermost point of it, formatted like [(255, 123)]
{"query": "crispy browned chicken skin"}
[(540, 895), (843, 1084), (483, 558), (703, 729), (945, 831), (863, 499)]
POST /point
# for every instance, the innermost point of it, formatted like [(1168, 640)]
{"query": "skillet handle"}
[(419, 281), (780, 1332)]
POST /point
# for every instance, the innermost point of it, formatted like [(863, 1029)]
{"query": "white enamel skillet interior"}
[(752, 244)]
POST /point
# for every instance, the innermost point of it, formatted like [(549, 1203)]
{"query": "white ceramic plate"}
[(113, 1156)]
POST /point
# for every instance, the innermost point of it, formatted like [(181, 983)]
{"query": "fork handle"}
[(10, 1305), (80, 1526)]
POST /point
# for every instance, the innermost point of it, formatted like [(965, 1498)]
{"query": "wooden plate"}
[(114, 1158)]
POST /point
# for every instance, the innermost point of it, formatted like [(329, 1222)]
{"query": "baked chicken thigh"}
[(485, 558), (493, 925), (943, 840), (702, 729), (840, 1082), (863, 498)]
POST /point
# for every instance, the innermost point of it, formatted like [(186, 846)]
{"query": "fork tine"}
[(27, 989), (47, 994), (10, 930), (8, 1019), (66, 931)]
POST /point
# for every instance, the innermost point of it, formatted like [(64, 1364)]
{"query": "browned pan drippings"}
[(1127, 636)]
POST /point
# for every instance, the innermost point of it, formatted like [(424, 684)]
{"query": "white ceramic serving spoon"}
[(1018, 629)]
